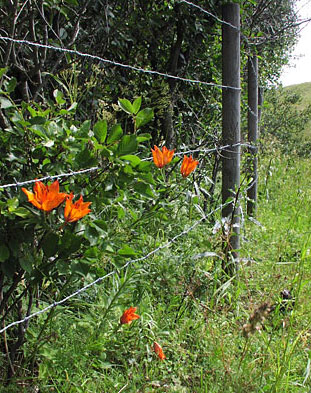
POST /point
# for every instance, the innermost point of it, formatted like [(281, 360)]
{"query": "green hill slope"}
[(304, 90)]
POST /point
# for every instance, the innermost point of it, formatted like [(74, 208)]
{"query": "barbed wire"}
[(100, 279), (50, 177), (95, 168), (210, 14), (115, 63)]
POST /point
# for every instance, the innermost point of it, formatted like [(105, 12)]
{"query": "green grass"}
[(196, 316), (304, 90)]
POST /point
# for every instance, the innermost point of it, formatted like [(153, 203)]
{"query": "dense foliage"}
[(60, 113)]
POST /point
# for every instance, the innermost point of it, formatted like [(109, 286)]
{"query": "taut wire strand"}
[(209, 13), (95, 168), (100, 279), (111, 62)]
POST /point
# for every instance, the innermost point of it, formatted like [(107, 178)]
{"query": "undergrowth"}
[(241, 335)]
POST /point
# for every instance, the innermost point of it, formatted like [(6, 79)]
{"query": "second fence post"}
[(231, 134), (252, 134)]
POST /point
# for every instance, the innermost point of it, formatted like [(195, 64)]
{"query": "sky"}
[(299, 69)]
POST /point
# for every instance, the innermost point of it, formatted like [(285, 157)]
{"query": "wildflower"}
[(75, 211), (162, 158), (188, 165), (158, 350), (129, 315), (45, 198)]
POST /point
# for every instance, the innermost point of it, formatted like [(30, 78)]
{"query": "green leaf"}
[(50, 244), (115, 134), (4, 252), (58, 95), (3, 71), (126, 105), (100, 130), (69, 244), (143, 137), (12, 204), (37, 120), (134, 160), (22, 212), (26, 263), (127, 145), (144, 189), (127, 251), (5, 103), (91, 235), (147, 177), (143, 117), (36, 129), (137, 105), (11, 85), (85, 128), (144, 166)]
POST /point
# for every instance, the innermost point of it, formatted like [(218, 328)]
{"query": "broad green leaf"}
[(5, 103), (106, 152), (143, 117), (137, 105), (147, 177), (80, 268), (134, 160), (26, 263), (69, 243), (58, 95), (127, 251), (115, 134), (36, 129), (3, 71), (12, 204), (37, 120), (127, 145), (22, 212), (100, 130), (50, 244), (126, 105), (91, 235), (144, 189), (85, 128), (4, 252), (143, 137), (11, 85), (144, 166)]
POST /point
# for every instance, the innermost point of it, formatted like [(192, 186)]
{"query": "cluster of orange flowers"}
[(48, 197), (164, 157), (128, 316)]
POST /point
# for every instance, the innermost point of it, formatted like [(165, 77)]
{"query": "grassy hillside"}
[(304, 90)]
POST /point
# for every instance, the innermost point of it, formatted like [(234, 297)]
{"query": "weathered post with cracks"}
[(231, 133), (252, 134)]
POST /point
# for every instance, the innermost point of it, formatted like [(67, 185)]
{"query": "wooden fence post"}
[(231, 133), (252, 133)]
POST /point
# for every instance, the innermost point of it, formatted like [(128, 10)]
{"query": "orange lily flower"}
[(75, 211), (45, 198), (129, 315), (162, 158), (158, 350), (188, 165)]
